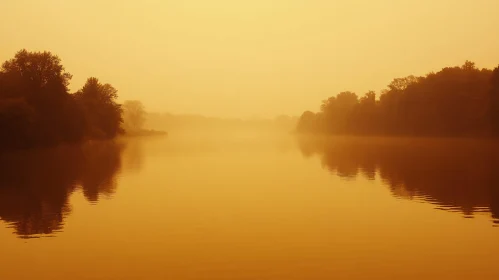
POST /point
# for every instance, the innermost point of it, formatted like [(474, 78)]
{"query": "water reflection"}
[(35, 185), (457, 175), (133, 157)]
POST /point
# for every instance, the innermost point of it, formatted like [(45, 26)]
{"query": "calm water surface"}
[(252, 207)]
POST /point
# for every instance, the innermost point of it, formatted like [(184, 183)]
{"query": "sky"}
[(250, 58)]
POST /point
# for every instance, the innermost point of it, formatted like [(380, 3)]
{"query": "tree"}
[(34, 73), (401, 84), (337, 111), (365, 115), (494, 101), (455, 101), (103, 113), (307, 122), (34, 91), (134, 115), (17, 123), (36, 108)]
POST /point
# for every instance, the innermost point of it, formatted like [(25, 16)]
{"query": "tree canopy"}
[(103, 114), (36, 108), (456, 101)]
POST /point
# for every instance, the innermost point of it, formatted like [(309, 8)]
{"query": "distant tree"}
[(134, 115), (103, 113), (307, 122), (365, 119), (468, 65), (337, 112), (346, 99), (401, 84)]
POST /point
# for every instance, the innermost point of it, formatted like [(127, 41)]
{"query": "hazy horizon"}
[(257, 58)]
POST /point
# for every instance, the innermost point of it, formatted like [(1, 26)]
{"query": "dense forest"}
[(456, 101), (37, 109)]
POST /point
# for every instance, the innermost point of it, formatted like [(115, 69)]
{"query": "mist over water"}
[(252, 205), (249, 140)]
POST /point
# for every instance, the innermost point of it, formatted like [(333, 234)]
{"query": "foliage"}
[(103, 114), (36, 108), (456, 101), (494, 100)]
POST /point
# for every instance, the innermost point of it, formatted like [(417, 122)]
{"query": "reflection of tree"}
[(101, 164), (453, 174), (133, 155), (35, 185)]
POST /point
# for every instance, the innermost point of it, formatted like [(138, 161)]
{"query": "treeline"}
[(456, 101), (37, 109)]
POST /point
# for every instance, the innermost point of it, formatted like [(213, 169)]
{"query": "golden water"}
[(252, 207)]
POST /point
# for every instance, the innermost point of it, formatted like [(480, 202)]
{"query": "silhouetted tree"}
[(307, 122), (36, 108), (494, 100), (338, 112), (17, 123), (365, 115), (456, 101), (103, 114), (31, 74)]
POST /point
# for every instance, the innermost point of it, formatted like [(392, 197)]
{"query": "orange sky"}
[(250, 58)]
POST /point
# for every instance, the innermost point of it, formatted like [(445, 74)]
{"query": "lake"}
[(252, 206)]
